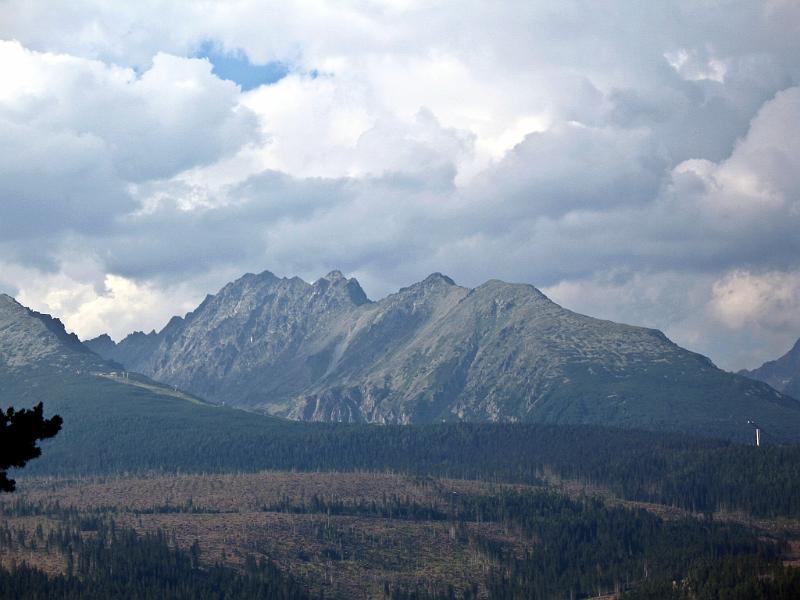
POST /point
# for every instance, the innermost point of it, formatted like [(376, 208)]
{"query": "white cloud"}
[(634, 161), (174, 116), (694, 67), (76, 133), (770, 300), (91, 302), (117, 308)]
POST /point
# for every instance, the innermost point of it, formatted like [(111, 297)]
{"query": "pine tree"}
[(19, 432)]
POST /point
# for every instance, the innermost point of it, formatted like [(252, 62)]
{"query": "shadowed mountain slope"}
[(783, 374)]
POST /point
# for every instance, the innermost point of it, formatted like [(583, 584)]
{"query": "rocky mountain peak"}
[(28, 337), (783, 373), (523, 288), (433, 283), (266, 274), (336, 283), (438, 279), (495, 291), (246, 282), (102, 344), (334, 276), (7, 303), (263, 276)]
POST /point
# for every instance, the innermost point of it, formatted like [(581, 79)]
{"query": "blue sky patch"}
[(236, 67)]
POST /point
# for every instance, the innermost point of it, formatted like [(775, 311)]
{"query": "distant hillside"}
[(436, 351), (783, 374)]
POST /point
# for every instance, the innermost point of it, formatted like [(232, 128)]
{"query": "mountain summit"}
[(437, 351), (29, 339), (40, 361)]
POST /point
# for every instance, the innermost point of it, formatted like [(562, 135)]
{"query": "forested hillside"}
[(692, 473), (371, 537), (119, 564)]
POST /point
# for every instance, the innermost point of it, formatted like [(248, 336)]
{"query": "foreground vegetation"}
[(695, 474), (121, 564), (349, 535)]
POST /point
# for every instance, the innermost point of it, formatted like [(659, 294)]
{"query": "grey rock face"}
[(137, 348), (783, 374), (436, 351), (30, 339), (41, 362), (259, 337)]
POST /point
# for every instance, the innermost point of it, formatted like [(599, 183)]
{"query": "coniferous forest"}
[(696, 474), (119, 563), (457, 511)]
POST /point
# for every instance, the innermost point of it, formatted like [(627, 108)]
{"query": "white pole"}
[(758, 437)]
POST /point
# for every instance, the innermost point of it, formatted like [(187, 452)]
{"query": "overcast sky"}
[(637, 161)]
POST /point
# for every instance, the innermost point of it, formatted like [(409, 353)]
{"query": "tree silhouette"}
[(19, 432)]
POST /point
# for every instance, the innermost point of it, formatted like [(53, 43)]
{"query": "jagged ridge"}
[(28, 338), (436, 351)]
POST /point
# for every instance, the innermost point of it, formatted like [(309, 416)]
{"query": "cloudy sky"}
[(637, 161)]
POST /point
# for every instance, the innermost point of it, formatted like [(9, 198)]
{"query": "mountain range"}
[(436, 351), (783, 373), (118, 423)]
